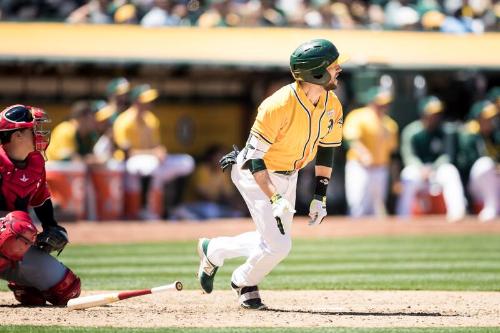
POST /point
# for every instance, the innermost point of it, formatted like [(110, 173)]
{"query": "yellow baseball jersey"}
[(62, 142), (378, 134), (294, 127), (66, 142), (130, 131)]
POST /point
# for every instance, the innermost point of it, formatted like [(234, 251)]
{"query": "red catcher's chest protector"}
[(17, 234)]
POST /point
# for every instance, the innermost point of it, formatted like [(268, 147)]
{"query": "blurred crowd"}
[(451, 16)]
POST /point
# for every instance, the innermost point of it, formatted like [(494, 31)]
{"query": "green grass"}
[(404, 263), (55, 329)]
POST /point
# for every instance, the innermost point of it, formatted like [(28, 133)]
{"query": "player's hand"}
[(53, 238), (280, 206), (229, 159), (317, 210)]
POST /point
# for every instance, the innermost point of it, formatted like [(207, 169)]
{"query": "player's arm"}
[(323, 171), (53, 237)]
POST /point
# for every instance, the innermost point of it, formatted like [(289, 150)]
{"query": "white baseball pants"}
[(446, 176), (366, 189), (484, 185), (175, 165), (264, 247)]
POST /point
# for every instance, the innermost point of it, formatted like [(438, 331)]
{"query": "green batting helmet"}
[(311, 59)]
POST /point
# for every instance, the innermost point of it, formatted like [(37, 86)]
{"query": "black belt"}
[(286, 173)]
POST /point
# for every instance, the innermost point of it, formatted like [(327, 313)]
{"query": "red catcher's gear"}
[(17, 234), (20, 116), (27, 295), (24, 187), (69, 287)]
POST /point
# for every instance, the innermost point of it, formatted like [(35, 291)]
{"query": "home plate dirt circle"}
[(287, 309)]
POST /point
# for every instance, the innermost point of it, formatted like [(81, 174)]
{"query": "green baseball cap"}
[(483, 109), (430, 105), (143, 94), (493, 94), (118, 86), (379, 96)]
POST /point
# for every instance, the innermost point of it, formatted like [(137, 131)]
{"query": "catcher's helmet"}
[(19, 116), (311, 59)]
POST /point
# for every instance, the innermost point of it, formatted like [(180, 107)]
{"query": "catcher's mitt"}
[(229, 159), (53, 238)]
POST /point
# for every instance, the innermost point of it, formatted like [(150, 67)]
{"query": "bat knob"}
[(178, 285)]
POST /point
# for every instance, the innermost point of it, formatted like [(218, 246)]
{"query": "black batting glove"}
[(229, 159)]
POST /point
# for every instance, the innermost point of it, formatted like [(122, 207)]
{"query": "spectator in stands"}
[(210, 194), (426, 149), (74, 139), (137, 132), (94, 11), (125, 14), (220, 13), (372, 137), (164, 13), (479, 158)]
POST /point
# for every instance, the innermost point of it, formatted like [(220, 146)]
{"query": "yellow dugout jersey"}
[(62, 142), (137, 133), (378, 134), (295, 127)]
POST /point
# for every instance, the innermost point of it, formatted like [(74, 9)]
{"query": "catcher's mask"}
[(19, 116), (309, 62)]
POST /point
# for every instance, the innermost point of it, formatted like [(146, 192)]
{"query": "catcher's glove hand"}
[(53, 238), (229, 159)]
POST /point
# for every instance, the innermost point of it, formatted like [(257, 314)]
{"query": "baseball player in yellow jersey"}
[(298, 122), (372, 136)]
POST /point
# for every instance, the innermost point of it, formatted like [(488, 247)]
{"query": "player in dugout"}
[(372, 137), (35, 276), (299, 122)]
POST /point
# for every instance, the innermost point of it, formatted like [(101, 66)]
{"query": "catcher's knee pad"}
[(27, 295), (64, 290)]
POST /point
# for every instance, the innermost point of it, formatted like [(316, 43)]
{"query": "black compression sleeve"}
[(324, 156), (257, 165), (45, 214)]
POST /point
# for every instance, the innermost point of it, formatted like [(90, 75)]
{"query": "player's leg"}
[(273, 246), (448, 178), (379, 178), (174, 166), (39, 277), (356, 184), (484, 186), (411, 181)]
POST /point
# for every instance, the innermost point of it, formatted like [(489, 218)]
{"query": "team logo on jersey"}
[(330, 125), (24, 179), (330, 113)]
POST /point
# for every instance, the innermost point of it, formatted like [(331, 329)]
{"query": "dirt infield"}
[(287, 308)]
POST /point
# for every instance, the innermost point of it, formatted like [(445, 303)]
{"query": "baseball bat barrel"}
[(103, 299)]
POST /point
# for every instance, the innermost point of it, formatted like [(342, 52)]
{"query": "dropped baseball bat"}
[(102, 299)]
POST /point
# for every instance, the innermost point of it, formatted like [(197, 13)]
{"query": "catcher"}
[(34, 275)]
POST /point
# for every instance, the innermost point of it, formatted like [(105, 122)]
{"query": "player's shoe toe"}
[(206, 270)]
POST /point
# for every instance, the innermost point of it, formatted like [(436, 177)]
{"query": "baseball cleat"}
[(249, 297), (207, 270)]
